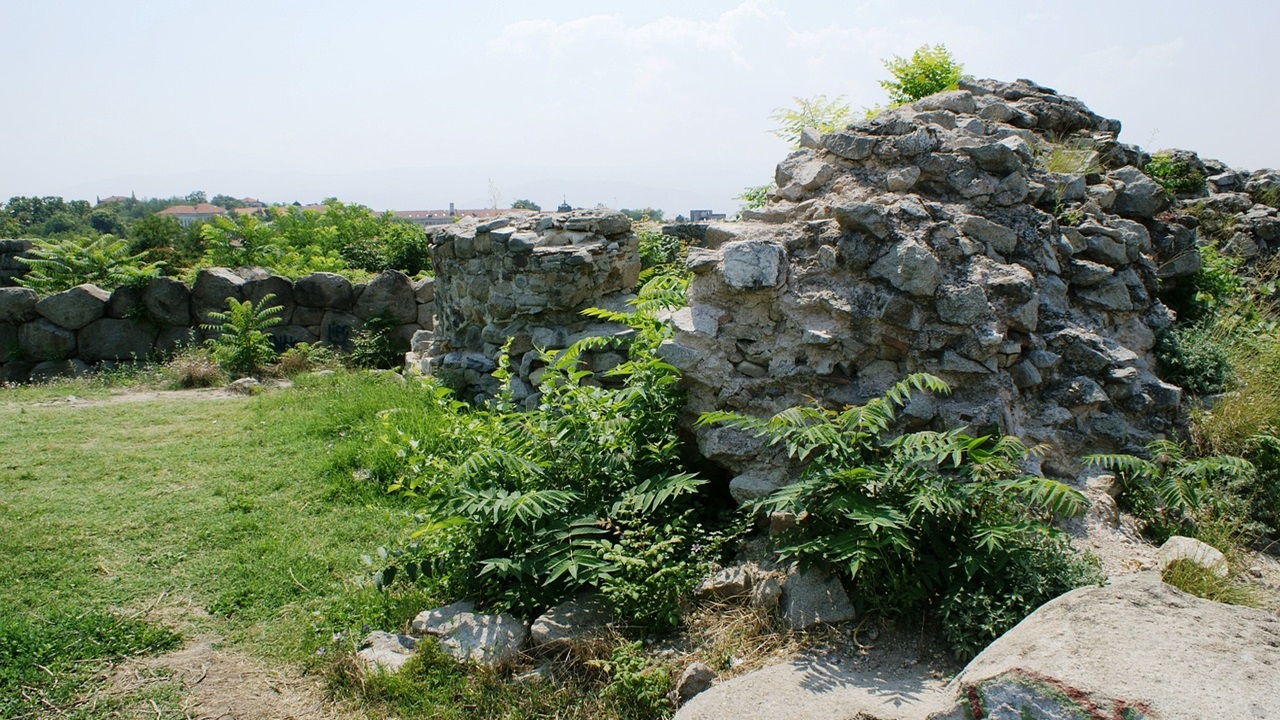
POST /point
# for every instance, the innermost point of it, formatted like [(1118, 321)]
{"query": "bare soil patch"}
[(218, 684)]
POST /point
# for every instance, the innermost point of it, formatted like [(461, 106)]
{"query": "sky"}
[(411, 105)]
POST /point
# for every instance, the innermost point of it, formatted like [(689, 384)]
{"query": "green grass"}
[(116, 510), (1195, 579)]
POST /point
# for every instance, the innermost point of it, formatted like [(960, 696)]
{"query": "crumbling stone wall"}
[(525, 279), (69, 332), (10, 268)]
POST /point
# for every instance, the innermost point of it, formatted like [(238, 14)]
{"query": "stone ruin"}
[(524, 280), (927, 238), (930, 238)]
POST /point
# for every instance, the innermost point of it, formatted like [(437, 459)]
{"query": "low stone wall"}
[(524, 278), (10, 268), (72, 331)]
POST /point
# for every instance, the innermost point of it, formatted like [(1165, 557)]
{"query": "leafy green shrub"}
[(377, 345), (525, 509), (1195, 579), (919, 518), (58, 265), (1018, 578), (1216, 285), (754, 198), (1194, 359), (815, 113), (1263, 496), (637, 688), (241, 347), (1172, 494), (305, 357), (657, 249), (1177, 177), (930, 69)]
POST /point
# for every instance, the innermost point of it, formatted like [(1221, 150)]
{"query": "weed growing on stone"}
[(1195, 579), (1177, 177)]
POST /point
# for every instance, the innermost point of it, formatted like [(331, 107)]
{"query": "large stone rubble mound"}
[(931, 238)]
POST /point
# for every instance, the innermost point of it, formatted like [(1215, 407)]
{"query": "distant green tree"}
[(196, 197), (107, 222), (63, 223), (226, 201), (526, 205), (239, 241), (644, 214), (32, 212), (815, 113), (930, 69)]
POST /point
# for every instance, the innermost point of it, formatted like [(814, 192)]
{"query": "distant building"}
[(705, 216), (190, 214), (113, 198), (444, 217)]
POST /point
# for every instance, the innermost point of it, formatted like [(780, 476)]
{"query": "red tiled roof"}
[(197, 209)]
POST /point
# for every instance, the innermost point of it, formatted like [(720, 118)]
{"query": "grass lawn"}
[(127, 522)]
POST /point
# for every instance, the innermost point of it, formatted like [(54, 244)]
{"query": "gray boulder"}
[(489, 640), (17, 304), (167, 301), (256, 290), (431, 622), (385, 652), (42, 340), (9, 348), (910, 267), (812, 597), (324, 290), (111, 339), (1141, 196), (569, 621), (338, 329), (126, 302), (74, 308), (212, 288), (52, 369), (695, 678), (390, 293)]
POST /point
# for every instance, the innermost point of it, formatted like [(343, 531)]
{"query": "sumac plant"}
[(919, 521)]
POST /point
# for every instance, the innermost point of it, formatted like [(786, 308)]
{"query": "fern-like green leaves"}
[(912, 518), (57, 265)]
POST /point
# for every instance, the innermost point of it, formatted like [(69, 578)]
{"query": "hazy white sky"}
[(412, 105)]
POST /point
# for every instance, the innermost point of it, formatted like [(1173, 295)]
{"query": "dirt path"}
[(218, 684)]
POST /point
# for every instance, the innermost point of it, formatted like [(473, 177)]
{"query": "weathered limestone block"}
[(750, 264), (910, 267), (386, 652)]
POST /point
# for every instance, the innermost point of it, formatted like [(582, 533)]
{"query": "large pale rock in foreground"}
[(1140, 643), (1136, 648)]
